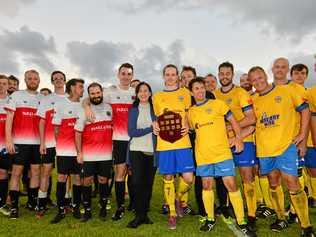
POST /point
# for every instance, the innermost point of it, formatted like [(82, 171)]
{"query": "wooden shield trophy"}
[(170, 124)]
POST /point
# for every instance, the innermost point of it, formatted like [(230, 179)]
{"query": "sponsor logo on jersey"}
[(197, 125), (269, 120)]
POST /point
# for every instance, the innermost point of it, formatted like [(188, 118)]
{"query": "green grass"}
[(28, 226)]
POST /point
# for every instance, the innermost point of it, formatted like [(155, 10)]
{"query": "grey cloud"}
[(101, 59), (12, 7), (30, 46), (288, 19)]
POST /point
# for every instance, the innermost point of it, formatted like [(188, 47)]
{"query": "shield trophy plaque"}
[(170, 124)]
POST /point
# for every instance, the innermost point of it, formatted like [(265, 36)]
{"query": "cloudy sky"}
[(89, 39)]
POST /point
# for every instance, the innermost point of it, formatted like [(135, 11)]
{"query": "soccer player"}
[(13, 84), (245, 83), (276, 141), (66, 112), (240, 104), (5, 161), (94, 149), (174, 158), (120, 98), (213, 155), (22, 139), (45, 91), (134, 83), (210, 82), (47, 137)]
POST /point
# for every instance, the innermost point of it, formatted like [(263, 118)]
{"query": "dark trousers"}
[(143, 174), (221, 192)]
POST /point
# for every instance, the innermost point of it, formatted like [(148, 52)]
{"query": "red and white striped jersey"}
[(121, 101), (65, 115), (25, 121), (96, 136)]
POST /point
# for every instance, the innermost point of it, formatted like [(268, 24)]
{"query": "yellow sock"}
[(251, 201), (300, 203), (185, 196), (169, 192), (277, 199), (182, 189), (302, 182), (238, 206), (258, 190), (313, 189), (307, 181), (266, 193), (208, 201)]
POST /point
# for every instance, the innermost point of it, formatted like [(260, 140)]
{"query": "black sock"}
[(86, 197), (120, 192), (33, 196), (60, 194), (76, 195), (42, 203), (14, 196), (3, 191), (104, 193), (131, 192)]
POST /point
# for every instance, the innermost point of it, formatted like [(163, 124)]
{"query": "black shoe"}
[(58, 218), (245, 229), (30, 207), (76, 213), (218, 210), (207, 226), (292, 218), (131, 207), (86, 216), (252, 223), (188, 211), (308, 232), (14, 213), (135, 223), (279, 225), (311, 202), (266, 212), (164, 209), (118, 214), (261, 208), (148, 221), (103, 213)]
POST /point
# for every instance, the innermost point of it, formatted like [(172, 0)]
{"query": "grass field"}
[(28, 226)]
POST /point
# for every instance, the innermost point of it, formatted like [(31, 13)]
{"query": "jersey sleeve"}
[(156, 104), (190, 118), (57, 117), (224, 109), (41, 111), (80, 122), (11, 102), (298, 99), (311, 97), (245, 100), (107, 95), (187, 99)]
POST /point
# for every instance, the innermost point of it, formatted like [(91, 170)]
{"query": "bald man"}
[(280, 70)]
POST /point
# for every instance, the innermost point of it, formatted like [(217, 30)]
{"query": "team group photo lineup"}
[(150, 118)]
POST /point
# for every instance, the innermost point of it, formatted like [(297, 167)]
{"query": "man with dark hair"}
[(47, 138), (240, 103), (66, 112), (13, 84), (120, 98), (22, 140), (245, 83), (187, 74), (5, 161), (94, 149), (45, 91), (134, 83), (210, 82)]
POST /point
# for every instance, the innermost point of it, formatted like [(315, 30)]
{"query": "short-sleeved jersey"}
[(65, 115), (238, 101), (3, 116), (311, 97), (208, 121), (121, 101), (25, 122), (276, 120), (178, 101), (46, 111), (96, 136)]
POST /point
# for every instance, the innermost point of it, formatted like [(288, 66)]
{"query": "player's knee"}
[(88, 181), (3, 174), (62, 178), (102, 179)]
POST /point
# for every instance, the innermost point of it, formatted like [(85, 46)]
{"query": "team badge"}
[(229, 101), (278, 99), (118, 97), (69, 112), (181, 98), (108, 113), (133, 97), (208, 110)]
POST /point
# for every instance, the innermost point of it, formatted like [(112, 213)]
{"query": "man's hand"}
[(301, 148), (42, 149), (156, 128), (184, 130), (80, 158), (298, 139), (89, 113), (237, 143), (10, 147)]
